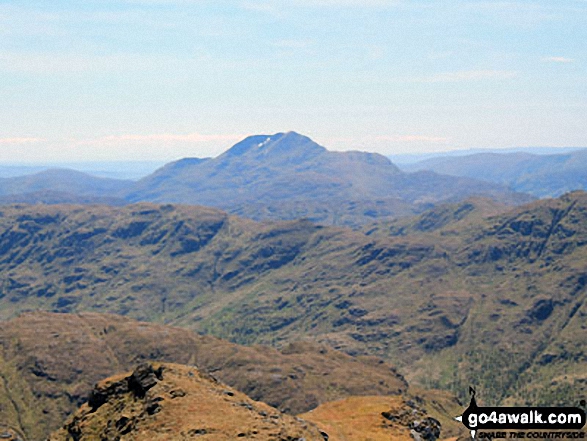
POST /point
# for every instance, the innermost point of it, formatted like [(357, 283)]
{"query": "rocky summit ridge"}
[(158, 402)]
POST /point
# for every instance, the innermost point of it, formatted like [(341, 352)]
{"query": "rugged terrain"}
[(383, 418), (50, 362), (454, 298), (161, 402), (170, 401)]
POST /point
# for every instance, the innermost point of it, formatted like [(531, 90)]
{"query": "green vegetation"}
[(493, 302)]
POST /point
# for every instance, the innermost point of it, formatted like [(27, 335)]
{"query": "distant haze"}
[(409, 158), (160, 80), (133, 170)]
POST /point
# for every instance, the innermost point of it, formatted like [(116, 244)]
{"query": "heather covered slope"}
[(50, 362), (498, 302)]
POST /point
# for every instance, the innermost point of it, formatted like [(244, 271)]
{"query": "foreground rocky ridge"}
[(377, 419), (50, 362), (176, 402), (170, 401)]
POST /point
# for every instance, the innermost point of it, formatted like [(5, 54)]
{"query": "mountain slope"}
[(170, 401), (442, 218), (539, 175), (506, 292), (49, 363), (287, 175)]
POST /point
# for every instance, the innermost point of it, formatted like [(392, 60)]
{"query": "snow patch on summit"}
[(261, 144)]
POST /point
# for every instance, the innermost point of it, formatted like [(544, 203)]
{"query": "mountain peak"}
[(289, 146)]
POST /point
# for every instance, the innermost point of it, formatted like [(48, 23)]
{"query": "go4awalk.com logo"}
[(527, 422)]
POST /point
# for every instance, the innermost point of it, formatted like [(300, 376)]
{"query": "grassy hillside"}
[(497, 302)]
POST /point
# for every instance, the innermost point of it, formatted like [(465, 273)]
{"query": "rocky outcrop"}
[(422, 426), (170, 401)]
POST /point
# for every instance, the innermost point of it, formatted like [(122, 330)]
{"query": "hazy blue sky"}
[(163, 79)]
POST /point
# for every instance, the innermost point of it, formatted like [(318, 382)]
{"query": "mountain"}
[(403, 159), (439, 218), (63, 181), (268, 177), (539, 175), (496, 302), (50, 362), (170, 401), (384, 418), (132, 170), (288, 176)]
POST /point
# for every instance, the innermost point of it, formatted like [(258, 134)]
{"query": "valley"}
[(494, 301)]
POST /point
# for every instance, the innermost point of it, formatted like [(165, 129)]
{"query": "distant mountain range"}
[(281, 176), (62, 181), (402, 159), (132, 170), (538, 175), (453, 296)]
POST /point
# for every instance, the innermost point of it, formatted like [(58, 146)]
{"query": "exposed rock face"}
[(176, 402), (427, 429), (422, 427)]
